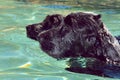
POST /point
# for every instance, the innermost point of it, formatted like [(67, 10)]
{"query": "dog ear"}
[(68, 20), (56, 19), (97, 17)]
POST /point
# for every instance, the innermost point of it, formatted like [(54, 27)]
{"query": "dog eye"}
[(36, 30), (46, 26)]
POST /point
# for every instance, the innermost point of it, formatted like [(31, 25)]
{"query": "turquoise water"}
[(21, 57)]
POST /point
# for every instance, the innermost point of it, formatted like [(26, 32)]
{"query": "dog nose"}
[(28, 28)]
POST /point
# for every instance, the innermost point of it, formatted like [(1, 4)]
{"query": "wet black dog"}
[(77, 34)]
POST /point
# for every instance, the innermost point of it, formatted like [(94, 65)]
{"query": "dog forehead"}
[(54, 16)]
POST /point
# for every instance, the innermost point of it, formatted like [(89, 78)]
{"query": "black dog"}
[(77, 34)]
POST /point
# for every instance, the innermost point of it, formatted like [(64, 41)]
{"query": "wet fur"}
[(74, 35)]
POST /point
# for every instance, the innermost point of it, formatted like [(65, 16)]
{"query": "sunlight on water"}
[(26, 65), (21, 57)]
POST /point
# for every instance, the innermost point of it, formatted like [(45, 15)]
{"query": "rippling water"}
[(21, 58)]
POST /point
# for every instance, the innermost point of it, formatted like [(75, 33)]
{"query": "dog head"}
[(77, 34), (66, 36)]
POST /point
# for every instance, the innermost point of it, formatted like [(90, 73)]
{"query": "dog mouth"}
[(46, 46)]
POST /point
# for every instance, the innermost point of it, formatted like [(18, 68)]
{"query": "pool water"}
[(21, 57)]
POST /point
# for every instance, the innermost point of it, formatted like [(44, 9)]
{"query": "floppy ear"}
[(56, 19), (68, 20), (97, 17)]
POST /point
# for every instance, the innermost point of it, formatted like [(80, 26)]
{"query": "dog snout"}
[(30, 32), (30, 28)]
